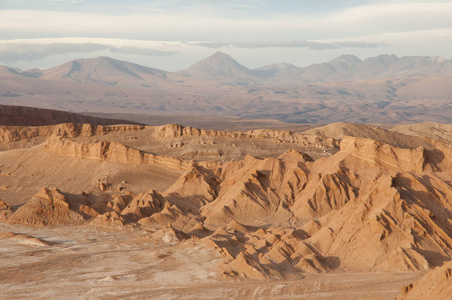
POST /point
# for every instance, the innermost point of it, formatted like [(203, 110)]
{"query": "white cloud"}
[(400, 27), (312, 45), (32, 50), (195, 25), (384, 18)]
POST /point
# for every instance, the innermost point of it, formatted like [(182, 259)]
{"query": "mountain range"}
[(382, 89), (222, 67)]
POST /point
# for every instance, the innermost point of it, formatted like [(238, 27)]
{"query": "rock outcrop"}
[(395, 138), (372, 206), (113, 152), (5, 211), (24, 239), (369, 191), (71, 130), (143, 205), (66, 130), (279, 136), (436, 284), (381, 153), (51, 208), (427, 130)]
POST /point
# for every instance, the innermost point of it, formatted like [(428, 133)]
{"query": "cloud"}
[(312, 45), (279, 30), (13, 52), (206, 22), (140, 51)]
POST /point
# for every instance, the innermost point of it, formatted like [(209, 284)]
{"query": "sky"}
[(174, 34)]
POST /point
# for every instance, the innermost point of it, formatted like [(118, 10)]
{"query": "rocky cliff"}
[(371, 206), (436, 284), (381, 153), (113, 152)]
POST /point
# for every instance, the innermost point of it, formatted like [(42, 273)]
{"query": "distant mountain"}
[(220, 67), (387, 66), (103, 70), (382, 89), (374, 66), (278, 67), (348, 59), (408, 66), (33, 73), (349, 67), (6, 71), (274, 69)]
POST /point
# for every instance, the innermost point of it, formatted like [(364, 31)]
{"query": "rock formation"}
[(51, 207), (24, 239), (436, 284), (381, 153), (5, 211), (372, 206), (110, 151)]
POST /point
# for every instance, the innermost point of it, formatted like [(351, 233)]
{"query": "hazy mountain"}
[(220, 67), (277, 66), (274, 69), (34, 73), (349, 67), (382, 89), (346, 59), (103, 70), (392, 66), (6, 71), (373, 66)]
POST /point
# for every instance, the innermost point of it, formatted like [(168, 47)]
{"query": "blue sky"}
[(174, 34)]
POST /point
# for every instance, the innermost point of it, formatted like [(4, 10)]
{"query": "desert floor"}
[(116, 263)]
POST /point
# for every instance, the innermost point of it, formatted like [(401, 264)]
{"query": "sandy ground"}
[(86, 262)]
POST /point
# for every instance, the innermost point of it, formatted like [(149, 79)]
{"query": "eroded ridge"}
[(369, 207)]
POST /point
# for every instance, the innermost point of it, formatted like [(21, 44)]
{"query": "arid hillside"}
[(246, 206), (435, 285), (30, 116), (145, 157)]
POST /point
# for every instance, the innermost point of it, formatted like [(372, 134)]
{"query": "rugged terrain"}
[(226, 210)]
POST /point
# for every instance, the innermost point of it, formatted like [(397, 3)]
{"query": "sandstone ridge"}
[(372, 206), (402, 159), (71, 130), (113, 152), (436, 284)]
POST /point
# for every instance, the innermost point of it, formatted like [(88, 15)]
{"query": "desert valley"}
[(219, 181), (98, 208), (239, 149)]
